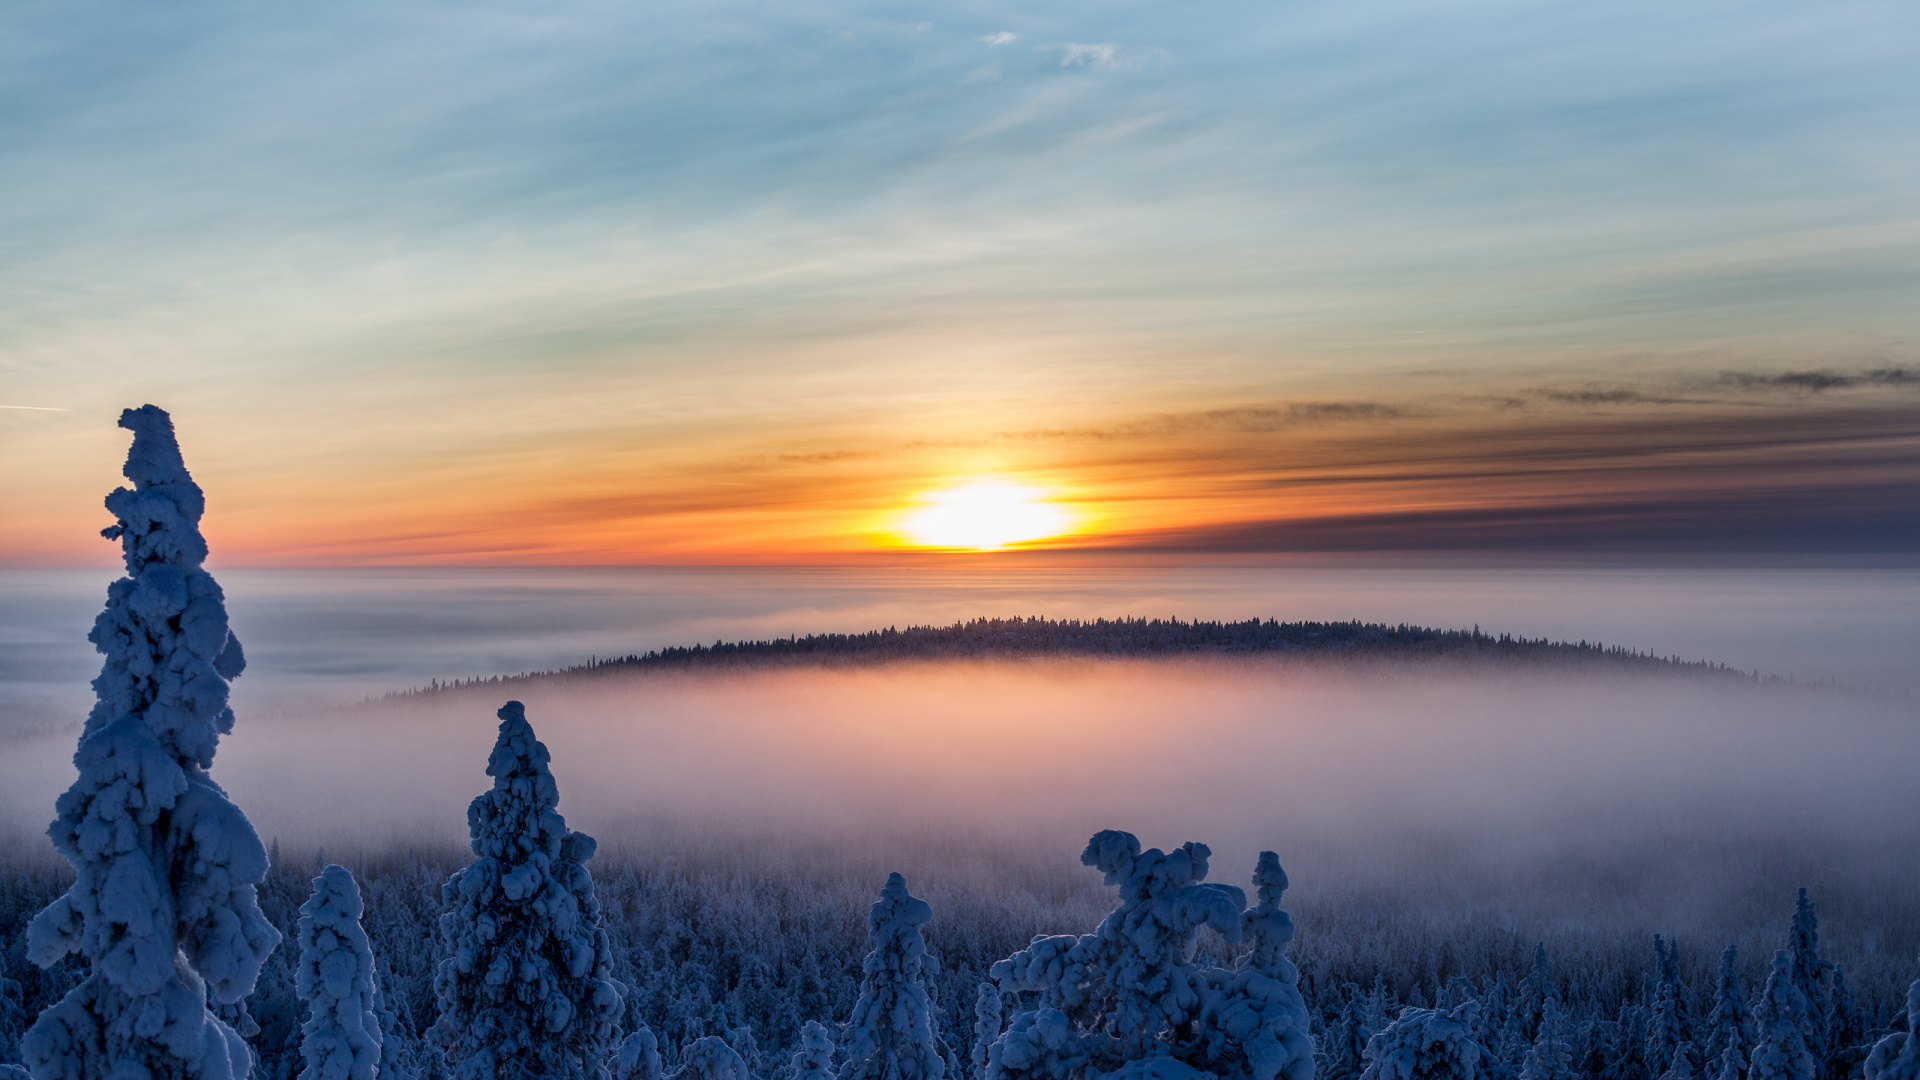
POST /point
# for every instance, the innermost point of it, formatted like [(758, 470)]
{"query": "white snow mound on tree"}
[(341, 1038), (1128, 999), (526, 988)]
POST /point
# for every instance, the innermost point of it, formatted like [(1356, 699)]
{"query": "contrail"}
[(34, 408)]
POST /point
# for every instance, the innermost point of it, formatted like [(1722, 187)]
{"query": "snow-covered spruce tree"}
[(1730, 1024), (1128, 999), (526, 989), (163, 904), (1551, 1055), (1846, 1033), (710, 1058), (399, 1056), (1732, 1064), (14, 1072), (1682, 1068), (892, 1035), (638, 1058), (341, 1038), (1535, 991), (814, 1059), (1253, 1022), (1346, 1042), (1809, 971), (1783, 1052), (1897, 1057), (1426, 1044), (987, 1022), (1668, 1024)]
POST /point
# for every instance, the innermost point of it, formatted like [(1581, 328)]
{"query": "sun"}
[(984, 515)]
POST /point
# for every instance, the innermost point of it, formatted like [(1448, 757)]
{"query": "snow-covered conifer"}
[(743, 1043), (526, 989), (341, 1038), (1783, 1052), (1551, 1055), (163, 905), (1535, 991), (1115, 1000), (399, 1055), (986, 1026), (14, 1072), (1426, 1044), (710, 1058), (1668, 1024), (1732, 1065), (814, 1059), (1254, 1023), (638, 1058), (1681, 1069), (892, 1035), (1730, 1024), (1897, 1057), (1346, 1043), (1809, 970), (1846, 1033)]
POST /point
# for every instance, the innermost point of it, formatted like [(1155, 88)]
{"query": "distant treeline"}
[(995, 639)]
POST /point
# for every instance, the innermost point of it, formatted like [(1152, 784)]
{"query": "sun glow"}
[(984, 515)]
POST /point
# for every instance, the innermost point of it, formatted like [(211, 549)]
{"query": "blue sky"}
[(662, 240)]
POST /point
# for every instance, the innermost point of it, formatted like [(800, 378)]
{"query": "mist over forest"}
[(1436, 821)]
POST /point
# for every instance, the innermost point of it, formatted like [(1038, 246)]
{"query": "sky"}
[(506, 283)]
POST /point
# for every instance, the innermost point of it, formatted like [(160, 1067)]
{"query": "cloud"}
[(1090, 55), (1004, 37), (1814, 382)]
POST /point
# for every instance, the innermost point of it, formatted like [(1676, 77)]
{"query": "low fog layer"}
[(1564, 796)]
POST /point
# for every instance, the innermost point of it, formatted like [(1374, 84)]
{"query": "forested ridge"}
[(1032, 637)]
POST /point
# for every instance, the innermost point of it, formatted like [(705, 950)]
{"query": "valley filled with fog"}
[(1436, 819)]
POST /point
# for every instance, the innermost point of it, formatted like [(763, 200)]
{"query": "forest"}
[(984, 639)]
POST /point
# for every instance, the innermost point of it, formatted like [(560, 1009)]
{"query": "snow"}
[(1784, 1051), (1551, 1055), (891, 1035), (526, 986), (1897, 1057), (163, 905), (1426, 1044), (638, 1058), (1121, 1000), (341, 1038), (814, 1059)]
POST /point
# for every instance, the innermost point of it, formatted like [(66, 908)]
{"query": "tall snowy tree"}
[(1254, 1023), (1551, 1055), (892, 1035), (163, 905), (1809, 970), (987, 1021), (1846, 1031), (1668, 1025), (1731, 1022), (814, 1058), (1897, 1057), (341, 1038), (1535, 991), (526, 989), (1426, 1044), (1784, 1051)]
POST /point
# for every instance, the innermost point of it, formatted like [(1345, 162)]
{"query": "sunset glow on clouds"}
[(434, 284)]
